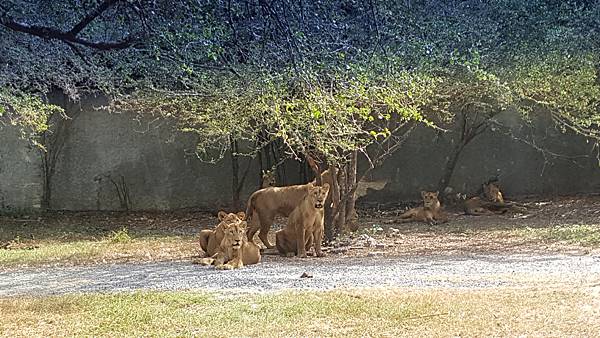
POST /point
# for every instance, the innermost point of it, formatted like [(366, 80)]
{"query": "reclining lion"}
[(265, 204), (431, 212), (210, 239), (492, 202), (235, 250), (305, 225)]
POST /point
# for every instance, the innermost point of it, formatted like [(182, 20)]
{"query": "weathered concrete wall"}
[(521, 168), (21, 186), (111, 161)]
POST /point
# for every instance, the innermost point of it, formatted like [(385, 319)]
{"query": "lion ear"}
[(437, 193), (241, 215), (326, 187), (423, 192), (222, 214)]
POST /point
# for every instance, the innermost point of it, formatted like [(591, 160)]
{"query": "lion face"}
[(234, 235), (430, 199), (318, 195), (492, 193)]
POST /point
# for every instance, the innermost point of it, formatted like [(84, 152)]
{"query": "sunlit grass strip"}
[(370, 312), (582, 234), (109, 249)]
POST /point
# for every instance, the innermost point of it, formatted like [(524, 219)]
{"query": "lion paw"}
[(321, 254), (203, 261), (224, 267)]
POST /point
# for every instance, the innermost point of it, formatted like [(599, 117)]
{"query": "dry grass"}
[(100, 251), (83, 238), (370, 312), (568, 224)]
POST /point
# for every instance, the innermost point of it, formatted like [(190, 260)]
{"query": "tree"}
[(343, 81)]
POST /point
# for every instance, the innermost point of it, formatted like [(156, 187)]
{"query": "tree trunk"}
[(339, 218), (332, 205), (235, 167), (449, 167), (351, 216)]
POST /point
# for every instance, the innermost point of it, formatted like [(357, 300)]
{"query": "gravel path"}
[(276, 273)]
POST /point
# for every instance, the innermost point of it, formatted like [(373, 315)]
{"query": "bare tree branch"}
[(50, 33)]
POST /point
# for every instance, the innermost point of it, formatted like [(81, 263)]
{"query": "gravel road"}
[(277, 273)]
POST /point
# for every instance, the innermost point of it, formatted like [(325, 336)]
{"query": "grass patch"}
[(338, 313), (582, 234), (69, 240), (82, 252)]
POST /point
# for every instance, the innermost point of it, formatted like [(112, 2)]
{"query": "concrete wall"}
[(20, 172), (109, 156), (522, 168), (109, 160)]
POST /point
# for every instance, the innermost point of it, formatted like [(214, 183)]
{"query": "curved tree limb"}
[(70, 37)]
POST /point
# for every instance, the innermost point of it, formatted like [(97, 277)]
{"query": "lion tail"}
[(250, 208)]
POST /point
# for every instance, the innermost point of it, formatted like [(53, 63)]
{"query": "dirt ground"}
[(510, 232)]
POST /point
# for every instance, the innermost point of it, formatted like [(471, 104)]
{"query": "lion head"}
[(268, 179), (492, 192), (318, 195), (231, 217), (430, 199), (234, 235)]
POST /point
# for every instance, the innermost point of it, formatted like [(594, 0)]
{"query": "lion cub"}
[(210, 239), (431, 211), (305, 225), (234, 250)]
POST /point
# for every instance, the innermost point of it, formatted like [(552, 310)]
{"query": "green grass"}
[(581, 234), (82, 252), (80, 240), (340, 313)]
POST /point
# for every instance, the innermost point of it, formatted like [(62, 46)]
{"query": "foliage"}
[(120, 236), (27, 111), (335, 76)]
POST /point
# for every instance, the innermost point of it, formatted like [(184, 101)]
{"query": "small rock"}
[(371, 242), (306, 275), (375, 254), (363, 237)]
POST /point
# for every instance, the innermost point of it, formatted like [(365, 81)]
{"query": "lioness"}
[(265, 204), (493, 203), (268, 179), (210, 239), (305, 225), (234, 250), (431, 211)]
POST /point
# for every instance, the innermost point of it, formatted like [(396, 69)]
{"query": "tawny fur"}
[(210, 239), (305, 225), (491, 203), (431, 212), (265, 204), (235, 250)]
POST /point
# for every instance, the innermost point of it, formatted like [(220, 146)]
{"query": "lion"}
[(305, 225), (431, 212), (492, 202), (265, 204), (268, 179), (210, 239), (235, 250)]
